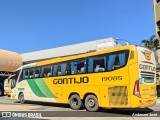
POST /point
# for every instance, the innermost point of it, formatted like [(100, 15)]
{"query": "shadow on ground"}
[(47, 104), (102, 112), (127, 111)]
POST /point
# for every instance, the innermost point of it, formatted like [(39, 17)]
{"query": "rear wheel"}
[(21, 98), (91, 103), (75, 102)]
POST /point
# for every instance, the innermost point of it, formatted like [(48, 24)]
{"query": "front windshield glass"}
[(14, 79)]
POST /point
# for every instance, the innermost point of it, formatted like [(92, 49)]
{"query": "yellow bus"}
[(7, 85), (121, 77)]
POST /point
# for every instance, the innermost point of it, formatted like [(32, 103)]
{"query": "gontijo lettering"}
[(147, 67), (71, 80)]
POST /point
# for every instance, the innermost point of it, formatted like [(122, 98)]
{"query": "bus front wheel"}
[(91, 103), (21, 98), (75, 102)]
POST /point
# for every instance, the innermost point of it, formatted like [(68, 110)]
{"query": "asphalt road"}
[(63, 110)]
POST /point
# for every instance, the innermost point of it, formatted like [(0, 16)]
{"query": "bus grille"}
[(118, 95), (148, 75)]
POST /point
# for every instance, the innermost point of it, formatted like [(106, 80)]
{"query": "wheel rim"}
[(74, 102), (91, 103)]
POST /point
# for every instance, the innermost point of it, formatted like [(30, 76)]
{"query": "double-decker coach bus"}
[(122, 77)]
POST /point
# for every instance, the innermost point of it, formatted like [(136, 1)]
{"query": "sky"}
[(31, 25)]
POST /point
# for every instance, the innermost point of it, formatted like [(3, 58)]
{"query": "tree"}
[(152, 43)]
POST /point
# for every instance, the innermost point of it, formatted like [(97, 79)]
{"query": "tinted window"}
[(73, 67), (117, 60), (55, 70), (37, 72), (59, 70), (99, 64), (25, 74), (68, 68), (14, 79), (81, 66), (62, 69), (31, 73), (90, 65), (46, 71)]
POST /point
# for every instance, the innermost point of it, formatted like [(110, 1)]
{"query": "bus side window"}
[(59, 70), (47, 71), (111, 61), (116, 63), (37, 72), (123, 56), (25, 74), (31, 73), (54, 70), (68, 70), (81, 66), (73, 68), (90, 65), (63, 68), (117, 60), (99, 63)]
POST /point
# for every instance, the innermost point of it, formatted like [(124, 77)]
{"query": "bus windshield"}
[(14, 79)]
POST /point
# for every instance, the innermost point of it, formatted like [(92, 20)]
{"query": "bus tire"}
[(21, 98), (91, 103), (75, 102)]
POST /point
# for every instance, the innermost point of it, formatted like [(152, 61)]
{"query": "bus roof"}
[(70, 57)]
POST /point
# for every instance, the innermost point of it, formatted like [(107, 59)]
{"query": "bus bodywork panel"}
[(143, 82)]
